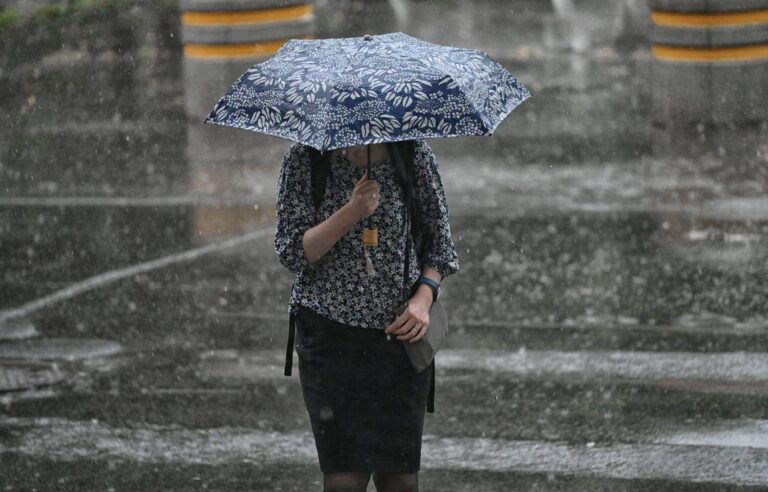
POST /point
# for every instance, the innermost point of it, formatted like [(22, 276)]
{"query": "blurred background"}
[(610, 310)]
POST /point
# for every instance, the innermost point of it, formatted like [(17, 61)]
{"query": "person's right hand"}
[(365, 197)]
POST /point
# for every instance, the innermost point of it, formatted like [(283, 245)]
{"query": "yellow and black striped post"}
[(710, 61), (222, 39)]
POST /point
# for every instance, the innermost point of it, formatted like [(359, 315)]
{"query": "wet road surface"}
[(590, 365)]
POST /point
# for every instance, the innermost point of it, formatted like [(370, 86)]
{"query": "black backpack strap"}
[(408, 290), (431, 397), (289, 349), (319, 170), (320, 166)]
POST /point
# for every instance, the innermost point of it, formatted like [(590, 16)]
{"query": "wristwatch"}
[(432, 284)]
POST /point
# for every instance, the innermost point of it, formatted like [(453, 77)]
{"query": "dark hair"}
[(402, 156)]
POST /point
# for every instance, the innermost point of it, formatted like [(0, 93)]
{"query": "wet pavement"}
[(609, 319)]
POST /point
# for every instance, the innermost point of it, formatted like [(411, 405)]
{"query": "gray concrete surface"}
[(609, 328)]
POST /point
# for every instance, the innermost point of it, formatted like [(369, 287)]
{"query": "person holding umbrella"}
[(349, 234), (365, 401)]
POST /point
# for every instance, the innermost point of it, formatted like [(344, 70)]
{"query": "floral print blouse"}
[(337, 285)]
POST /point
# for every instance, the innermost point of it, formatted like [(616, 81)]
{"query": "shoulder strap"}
[(319, 170), (407, 292), (431, 396), (289, 348)]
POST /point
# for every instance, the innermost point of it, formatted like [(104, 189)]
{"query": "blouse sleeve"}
[(441, 253), (295, 210)]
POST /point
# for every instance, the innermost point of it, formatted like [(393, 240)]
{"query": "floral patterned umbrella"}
[(342, 92)]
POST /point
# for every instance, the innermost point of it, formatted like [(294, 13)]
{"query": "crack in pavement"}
[(121, 273)]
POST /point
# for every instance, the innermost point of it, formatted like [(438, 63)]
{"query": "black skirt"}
[(366, 402)]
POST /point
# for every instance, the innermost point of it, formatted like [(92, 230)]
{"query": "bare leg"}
[(345, 481), (396, 482)]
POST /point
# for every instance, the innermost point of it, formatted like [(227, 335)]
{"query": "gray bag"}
[(422, 352)]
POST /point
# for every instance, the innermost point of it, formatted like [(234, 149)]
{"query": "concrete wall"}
[(93, 103)]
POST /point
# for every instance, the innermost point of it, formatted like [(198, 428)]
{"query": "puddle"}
[(233, 367), (17, 328), (71, 441), (715, 369), (22, 375), (751, 434), (68, 349)]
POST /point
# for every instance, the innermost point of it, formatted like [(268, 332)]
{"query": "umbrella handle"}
[(370, 233)]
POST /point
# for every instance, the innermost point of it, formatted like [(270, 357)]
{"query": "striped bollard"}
[(222, 39), (710, 61)]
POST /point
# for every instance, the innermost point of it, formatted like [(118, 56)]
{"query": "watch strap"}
[(432, 284)]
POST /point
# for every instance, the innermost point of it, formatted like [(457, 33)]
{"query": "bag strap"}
[(431, 397), (289, 349), (407, 262), (406, 293), (319, 177)]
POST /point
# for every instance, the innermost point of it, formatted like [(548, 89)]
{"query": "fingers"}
[(415, 333), (365, 197), (398, 321), (421, 332), (408, 326), (368, 191), (413, 330), (405, 327), (368, 194), (368, 186)]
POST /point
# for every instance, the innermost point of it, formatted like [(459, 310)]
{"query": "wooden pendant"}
[(370, 237)]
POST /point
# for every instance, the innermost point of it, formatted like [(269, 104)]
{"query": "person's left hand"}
[(413, 322)]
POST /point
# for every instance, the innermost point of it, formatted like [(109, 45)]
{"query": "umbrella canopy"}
[(342, 92)]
